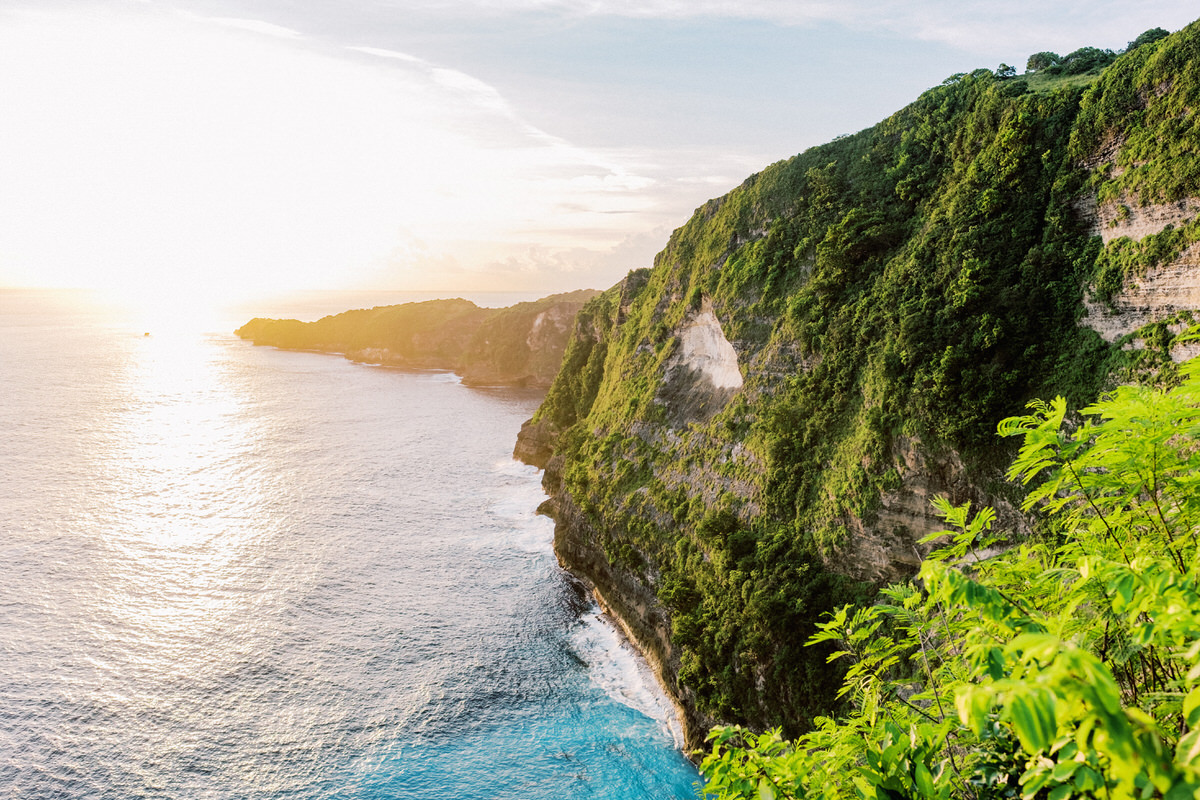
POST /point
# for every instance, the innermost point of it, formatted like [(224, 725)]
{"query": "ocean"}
[(230, 571)]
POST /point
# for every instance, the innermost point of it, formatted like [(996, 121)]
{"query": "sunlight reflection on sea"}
[(236, 572)]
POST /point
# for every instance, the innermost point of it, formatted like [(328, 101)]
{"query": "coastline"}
[(679, 728), (521, 345), (386, 360), (635, 607)]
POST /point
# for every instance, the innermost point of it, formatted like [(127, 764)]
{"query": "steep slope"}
[(750, 431), (519, 345), (1138, 135)]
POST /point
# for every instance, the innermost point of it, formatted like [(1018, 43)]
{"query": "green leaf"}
[(1059, 792), (1063, 770), (1034, 720), (1032, 781), (995, 663), (765, 790), (1087, 779), (924, 780), (1191, 708), (1099, 686), (1083, 733), (1188, 749)]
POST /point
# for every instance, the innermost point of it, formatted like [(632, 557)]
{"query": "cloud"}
[(981, 26), (1026, 25), (536, 267), (144, 146), (474, 90), (144, 143), (257, 26), (385, 53)]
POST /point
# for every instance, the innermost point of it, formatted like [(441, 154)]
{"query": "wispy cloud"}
[(382, 52), (973, 25), (151, 145), (257, 26), (148, 140)]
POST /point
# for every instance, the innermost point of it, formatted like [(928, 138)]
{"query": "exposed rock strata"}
[(885, 547), (535, 443), (1165, 292), (702, 374), (1126, 218), (704, 348)]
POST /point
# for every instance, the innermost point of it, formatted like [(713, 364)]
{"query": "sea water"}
[(230, 571)]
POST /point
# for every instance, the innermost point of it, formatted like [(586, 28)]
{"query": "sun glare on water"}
[(187, 520), (179, 310)]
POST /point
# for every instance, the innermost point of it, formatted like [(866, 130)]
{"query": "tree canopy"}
[(1149, 37), (1043, 60)]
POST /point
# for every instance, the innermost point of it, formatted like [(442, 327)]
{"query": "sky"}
[(180, 150)]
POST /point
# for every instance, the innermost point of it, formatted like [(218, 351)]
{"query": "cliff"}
[(749, 433), (521, 345)]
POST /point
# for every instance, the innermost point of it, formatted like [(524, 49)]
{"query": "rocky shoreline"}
[(638, 612)]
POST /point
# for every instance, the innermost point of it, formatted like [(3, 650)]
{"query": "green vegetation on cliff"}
[(889, 296), (1069, 667), (1146, 112)]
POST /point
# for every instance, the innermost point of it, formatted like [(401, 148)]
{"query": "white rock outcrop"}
[(702, 374), (1120, 219), (704, 348), (1164, 290)]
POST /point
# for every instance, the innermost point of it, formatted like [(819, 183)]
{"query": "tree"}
[(1043, 60), (1086, 59), (1005, 71), (1149, 37)]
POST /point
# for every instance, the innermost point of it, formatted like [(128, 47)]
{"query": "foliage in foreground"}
[(1066, 667)]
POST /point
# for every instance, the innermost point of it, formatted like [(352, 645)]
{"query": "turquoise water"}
[(237, 572)]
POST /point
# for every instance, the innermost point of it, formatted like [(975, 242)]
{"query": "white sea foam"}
[(511, 468), (437, 376), (514, 509), (614, 665), (621, 672)]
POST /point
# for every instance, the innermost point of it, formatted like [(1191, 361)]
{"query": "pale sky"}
[(200, 148)]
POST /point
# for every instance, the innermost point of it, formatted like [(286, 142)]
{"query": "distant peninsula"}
[(521, 345)]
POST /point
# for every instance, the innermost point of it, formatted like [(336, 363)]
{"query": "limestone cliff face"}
[(701, 374), (885, 546), (521, 345), (1125, 218), (750, 433), (1167, 291), (693, 448), (1138, 142), (535, 443)]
